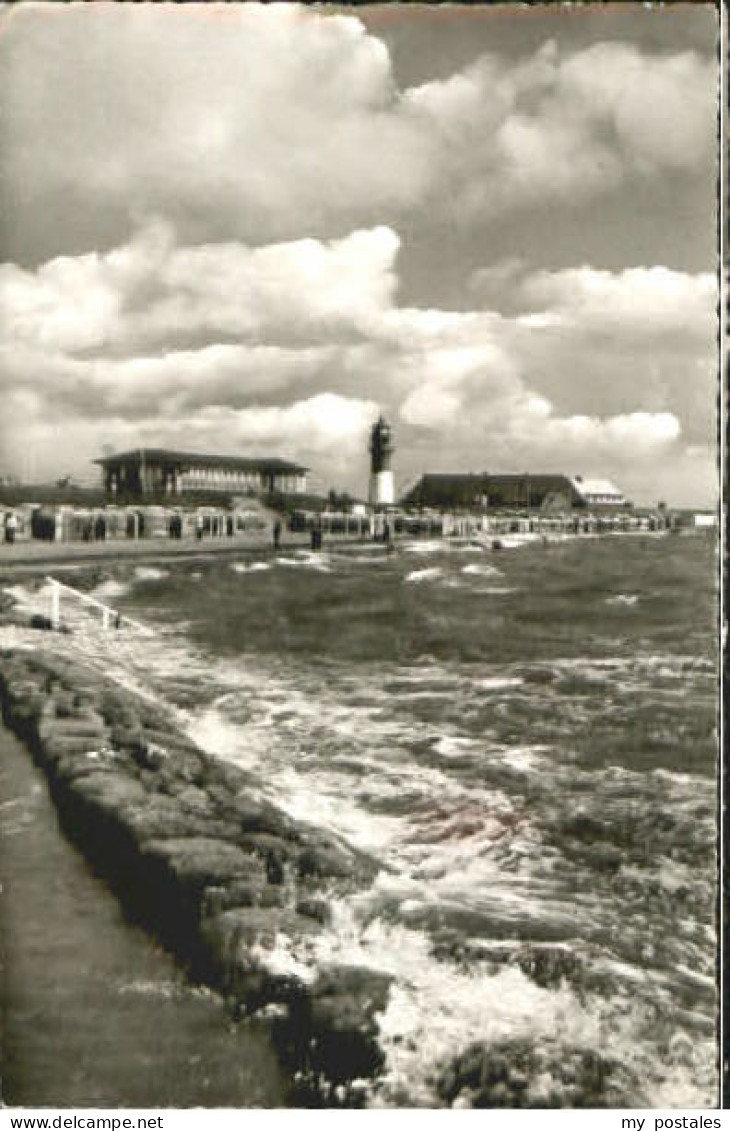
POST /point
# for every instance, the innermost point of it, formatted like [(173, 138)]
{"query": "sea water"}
[(526, 742)]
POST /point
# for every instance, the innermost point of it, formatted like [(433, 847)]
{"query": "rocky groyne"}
[(232, 885)]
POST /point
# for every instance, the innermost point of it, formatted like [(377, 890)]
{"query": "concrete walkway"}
[(42, 555)]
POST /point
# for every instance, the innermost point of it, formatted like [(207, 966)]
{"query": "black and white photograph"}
[(360, 512)]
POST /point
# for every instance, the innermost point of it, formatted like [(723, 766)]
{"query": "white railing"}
[(110, 618)]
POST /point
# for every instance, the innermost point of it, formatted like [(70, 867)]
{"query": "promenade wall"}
[(232, 885)]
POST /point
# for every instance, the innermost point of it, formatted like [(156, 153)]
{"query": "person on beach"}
[(199, 521), (317, 535), (11, 525), (277, 534)]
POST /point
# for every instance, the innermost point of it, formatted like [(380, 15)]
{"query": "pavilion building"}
[(160, 471)]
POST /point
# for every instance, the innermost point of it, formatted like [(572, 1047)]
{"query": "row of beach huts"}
[(464, 525), (68, 523)]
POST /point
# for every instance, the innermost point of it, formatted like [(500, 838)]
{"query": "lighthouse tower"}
[(382, 489)]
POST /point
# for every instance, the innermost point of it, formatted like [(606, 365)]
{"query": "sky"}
[(250, 229)]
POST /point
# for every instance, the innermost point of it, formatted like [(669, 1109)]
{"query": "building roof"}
[(588, 487), (486, 482), (234, 463), (511, 489)]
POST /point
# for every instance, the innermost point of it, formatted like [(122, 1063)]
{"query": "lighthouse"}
[(382, 490)]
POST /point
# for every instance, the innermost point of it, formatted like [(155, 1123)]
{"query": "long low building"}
[(483, 491), (159, 471)]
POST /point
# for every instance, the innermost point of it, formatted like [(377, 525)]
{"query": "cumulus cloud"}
[(324, 424), (567, 125), (481, 404), (259, 120), (645, 301), (152, 292), (644, 432), (178, 380), (264, 121), (660, 108), (42, 439), (243, 174), (454, 377), (294, 348), (608, 342), (605, 373), (102, 343), (321, 431)]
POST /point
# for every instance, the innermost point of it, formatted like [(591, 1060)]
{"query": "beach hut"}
[(43, 524), (155, 523), (116, 523)]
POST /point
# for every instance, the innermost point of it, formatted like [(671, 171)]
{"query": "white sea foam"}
[(454, 746), (111, 588), (479, 569), (524, 759), (302, 559), (518, 541), (623, 599), (668, 874), (285, 957), (416, 576), (262, 746), (150, 573), (443, 546), (435, 1010), (252, 567)]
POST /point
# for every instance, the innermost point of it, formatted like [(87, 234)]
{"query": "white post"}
[(55, 605)]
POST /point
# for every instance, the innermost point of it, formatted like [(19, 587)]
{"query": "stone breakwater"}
[(233, 886)]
